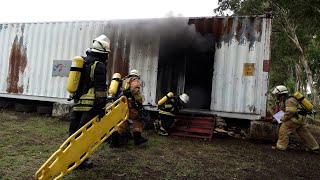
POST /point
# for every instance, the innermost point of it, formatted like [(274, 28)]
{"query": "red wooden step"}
[(196, 127), (185, 134)]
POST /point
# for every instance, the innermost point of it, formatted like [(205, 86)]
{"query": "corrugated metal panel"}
[(120, 45), (144, 57), (29, 49), (239, 40), (136, 47), (230, 44)]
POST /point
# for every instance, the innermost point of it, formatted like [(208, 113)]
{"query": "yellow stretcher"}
[(83, 142)]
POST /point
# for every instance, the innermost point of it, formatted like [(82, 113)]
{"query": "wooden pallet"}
[(195, 127)]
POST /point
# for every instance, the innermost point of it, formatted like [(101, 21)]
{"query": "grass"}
[(28, 140)]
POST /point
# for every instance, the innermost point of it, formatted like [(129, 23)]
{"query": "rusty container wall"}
[(35, 57), (144, 57), (240, 77), (29, 50)]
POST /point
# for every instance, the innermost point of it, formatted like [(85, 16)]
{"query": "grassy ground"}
[(27, 140)]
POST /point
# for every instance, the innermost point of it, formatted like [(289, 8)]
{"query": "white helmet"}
[(134, 72), (280, 90), (101, 44), (184, 97)]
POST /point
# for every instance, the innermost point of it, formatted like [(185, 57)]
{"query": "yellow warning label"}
[(248, 69)]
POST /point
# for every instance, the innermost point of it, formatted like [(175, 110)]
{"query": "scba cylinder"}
[(75, 74), (303, 101), (114, 85), (165, 98)]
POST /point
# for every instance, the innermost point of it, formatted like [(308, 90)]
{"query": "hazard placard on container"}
[(248, 69)]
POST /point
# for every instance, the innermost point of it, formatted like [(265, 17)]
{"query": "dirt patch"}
[(27, 143)]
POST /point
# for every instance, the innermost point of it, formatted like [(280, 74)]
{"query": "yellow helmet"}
[(101, 44)]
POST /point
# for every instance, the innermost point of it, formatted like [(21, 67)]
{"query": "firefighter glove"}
[(302, 112), (101, 102)]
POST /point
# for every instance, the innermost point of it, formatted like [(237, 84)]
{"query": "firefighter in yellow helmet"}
[(92, 91), (293, 120), (131, 87), (167, 113)]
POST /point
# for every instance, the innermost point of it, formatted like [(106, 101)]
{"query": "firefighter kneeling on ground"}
[(168, 107), (131, 88), (293, 120)]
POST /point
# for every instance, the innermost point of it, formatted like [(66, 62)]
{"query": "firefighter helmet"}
[(134, 72), (184, 98), (280, 90), (101, 44)]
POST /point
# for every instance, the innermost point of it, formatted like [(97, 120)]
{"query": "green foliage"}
[(313, 53), (290, 83)]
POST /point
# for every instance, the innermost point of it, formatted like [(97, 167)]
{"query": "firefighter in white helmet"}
[(131, 87), (101, 44), (134, 72), (90, 97), (167, 112), (293, 120)]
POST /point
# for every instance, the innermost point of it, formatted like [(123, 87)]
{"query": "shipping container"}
[(222, 63)]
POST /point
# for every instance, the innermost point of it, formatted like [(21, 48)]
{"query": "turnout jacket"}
[(291, 108), (131, 86), (171, 106), (94, 81)]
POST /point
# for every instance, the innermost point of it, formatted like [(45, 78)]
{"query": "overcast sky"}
[(66, 10)]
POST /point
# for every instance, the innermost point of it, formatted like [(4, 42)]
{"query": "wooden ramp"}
[(194, 127)]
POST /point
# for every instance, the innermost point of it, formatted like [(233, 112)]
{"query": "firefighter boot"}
[(114, 141), (163, 132), (138, 139), (156, 125), (86, 164)]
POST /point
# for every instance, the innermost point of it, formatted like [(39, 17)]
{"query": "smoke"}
[(185, 55), (176, 35)]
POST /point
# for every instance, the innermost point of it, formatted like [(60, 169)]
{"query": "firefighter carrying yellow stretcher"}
[(92, 119), (89, 89)]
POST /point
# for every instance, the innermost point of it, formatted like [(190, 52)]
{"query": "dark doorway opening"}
[(186, 66), (198, 83)]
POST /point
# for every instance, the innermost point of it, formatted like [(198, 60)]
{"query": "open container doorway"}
[(185, 64)]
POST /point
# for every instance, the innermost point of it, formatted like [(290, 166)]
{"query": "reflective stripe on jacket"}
[(86, 101), (168, 108)]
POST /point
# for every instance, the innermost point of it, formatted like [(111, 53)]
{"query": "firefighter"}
[(131, 88), (293, 120), (167, 113), (92, 91)]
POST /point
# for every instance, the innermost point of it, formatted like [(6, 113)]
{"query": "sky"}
[(69, 10)]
